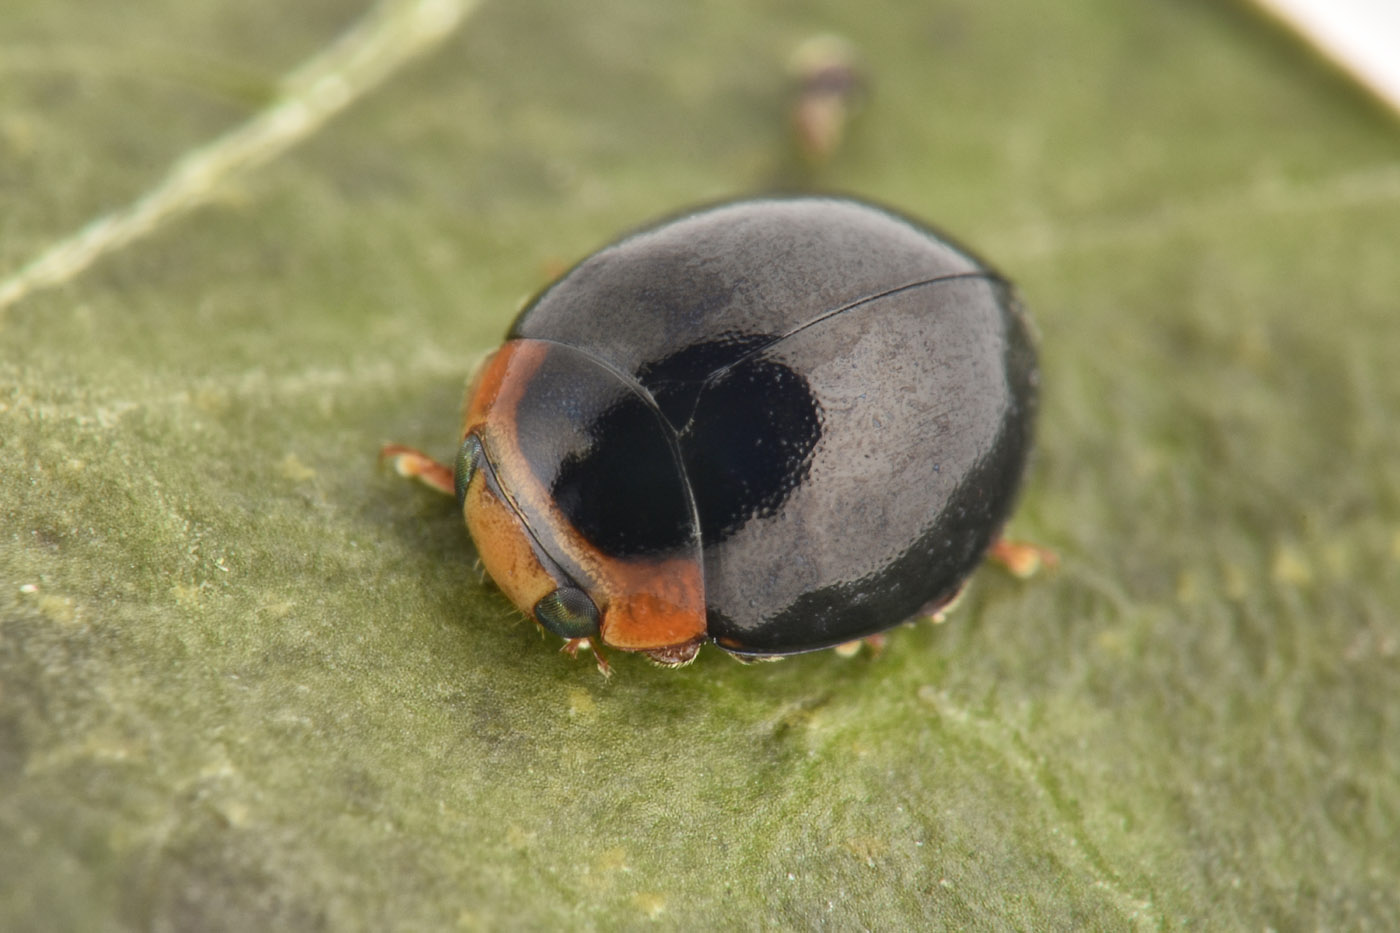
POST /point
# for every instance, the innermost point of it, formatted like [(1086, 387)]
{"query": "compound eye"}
[(568, 613), (468, 460)]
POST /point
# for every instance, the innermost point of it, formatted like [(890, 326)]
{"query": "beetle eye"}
[(568, 613), (468, 459)]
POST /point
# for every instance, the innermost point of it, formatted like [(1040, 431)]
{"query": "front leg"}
[(418, 465), (572, 645)]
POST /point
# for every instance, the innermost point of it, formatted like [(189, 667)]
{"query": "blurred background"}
[(249, 681)]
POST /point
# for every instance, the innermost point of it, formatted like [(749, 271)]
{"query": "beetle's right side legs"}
[(418, 465), (849, 649), (1021, 560)]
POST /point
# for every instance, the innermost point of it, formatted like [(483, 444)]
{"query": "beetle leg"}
[(755, 658), (849, 649), (937, 612), (417, 465), (572, 645), (1021, 559), (675, 655)]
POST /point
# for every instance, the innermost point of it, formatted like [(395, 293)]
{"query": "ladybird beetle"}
[(777, 425)]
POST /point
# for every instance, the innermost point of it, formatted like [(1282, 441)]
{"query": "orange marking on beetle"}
[(496, 389), (652, 604), (507, 551), (644, 603)]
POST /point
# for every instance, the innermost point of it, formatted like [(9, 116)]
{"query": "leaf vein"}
[(392, 34)]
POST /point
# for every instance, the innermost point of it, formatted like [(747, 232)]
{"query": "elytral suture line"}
[(392, 34)]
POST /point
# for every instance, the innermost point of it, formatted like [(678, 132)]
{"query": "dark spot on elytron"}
[(745, 425), (748, 444), (675, 382), (624, 492), (606, 457)]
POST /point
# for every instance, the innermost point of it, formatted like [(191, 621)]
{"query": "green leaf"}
[(250, 681)]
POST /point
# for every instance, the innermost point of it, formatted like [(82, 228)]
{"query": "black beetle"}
[(779, 425)]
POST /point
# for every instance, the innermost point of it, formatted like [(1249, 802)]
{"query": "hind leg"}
[(1020, 559)]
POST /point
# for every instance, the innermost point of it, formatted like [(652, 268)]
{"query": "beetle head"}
[(510, 497)]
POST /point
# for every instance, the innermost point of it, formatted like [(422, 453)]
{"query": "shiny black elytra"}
[(779, 425)]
